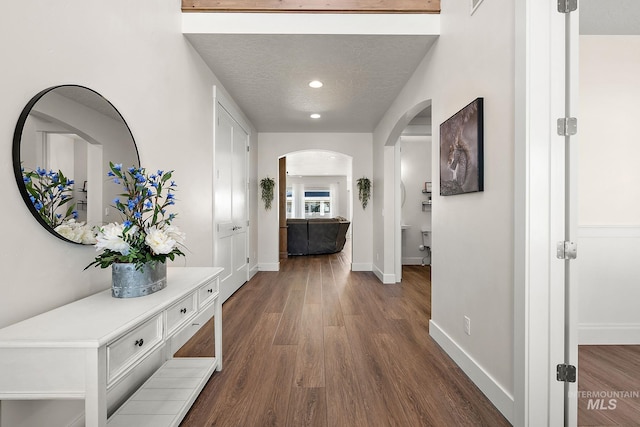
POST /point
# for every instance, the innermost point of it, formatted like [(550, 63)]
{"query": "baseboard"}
[(609, 334), (269, 266), (415, 261), (361, 266), (253, 271), (485, 382), (386, 279)]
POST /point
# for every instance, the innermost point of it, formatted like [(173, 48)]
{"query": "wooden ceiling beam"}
[(316, 6)]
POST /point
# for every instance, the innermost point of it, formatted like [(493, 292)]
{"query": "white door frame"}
[(539, 214), (221, 101)]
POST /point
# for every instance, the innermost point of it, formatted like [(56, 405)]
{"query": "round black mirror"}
[(63, 143)]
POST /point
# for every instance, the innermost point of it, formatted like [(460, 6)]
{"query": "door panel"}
[(230, 211)]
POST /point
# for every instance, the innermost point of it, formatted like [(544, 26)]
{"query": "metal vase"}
[(127, 282)]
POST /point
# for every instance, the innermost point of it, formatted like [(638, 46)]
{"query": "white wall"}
[(133, 53), (472, 266), (272, 146), (609, 200), (415, 171)]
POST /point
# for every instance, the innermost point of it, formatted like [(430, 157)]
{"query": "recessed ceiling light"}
[(315, 116), (316, 84)]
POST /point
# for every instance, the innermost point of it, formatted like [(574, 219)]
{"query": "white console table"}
[(102, 348)]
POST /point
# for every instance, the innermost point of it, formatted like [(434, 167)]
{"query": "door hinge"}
[(566, 6), (247, 260), (247, 148), (566, 373), (566, 250), (567, 126)]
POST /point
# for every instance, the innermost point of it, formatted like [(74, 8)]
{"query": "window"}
[(317, 203)]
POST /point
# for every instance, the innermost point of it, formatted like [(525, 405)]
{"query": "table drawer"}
[(180, 312), (208, 292), (125, 351)]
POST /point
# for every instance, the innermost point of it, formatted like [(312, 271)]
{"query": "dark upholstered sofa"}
[(316, 235)]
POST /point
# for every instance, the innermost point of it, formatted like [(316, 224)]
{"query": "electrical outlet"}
[(467, 325)]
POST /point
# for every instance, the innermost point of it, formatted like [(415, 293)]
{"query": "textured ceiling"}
[(611, 17), (268, 76)]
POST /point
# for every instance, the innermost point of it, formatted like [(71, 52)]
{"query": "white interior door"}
[(230, 213)]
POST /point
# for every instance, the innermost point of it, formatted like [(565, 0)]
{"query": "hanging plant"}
[(266, 186), (364, 191)]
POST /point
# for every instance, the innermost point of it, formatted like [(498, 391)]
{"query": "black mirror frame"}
[(17, 140)]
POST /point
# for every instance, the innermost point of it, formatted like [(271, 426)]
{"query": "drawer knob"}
[(183, 311), (210, 291), (139, 342)]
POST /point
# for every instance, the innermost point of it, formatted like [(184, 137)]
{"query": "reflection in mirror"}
[(64, 140)]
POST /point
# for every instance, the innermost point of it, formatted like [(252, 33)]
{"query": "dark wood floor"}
[(609, 385), (317, 345)]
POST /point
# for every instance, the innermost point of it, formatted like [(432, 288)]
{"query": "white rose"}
[(68, 232), (175, 233), (159, 241), (86, 236), (111, 236)]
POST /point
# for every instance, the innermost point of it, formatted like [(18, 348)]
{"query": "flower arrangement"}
[(146, 234), (52, 196), (50, 192)]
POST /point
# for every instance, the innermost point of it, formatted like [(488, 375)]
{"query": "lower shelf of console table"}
[(101, 349), (165, 398)]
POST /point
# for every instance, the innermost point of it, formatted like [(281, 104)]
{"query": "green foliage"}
[(51, 194), (364, 191), (266, 186)]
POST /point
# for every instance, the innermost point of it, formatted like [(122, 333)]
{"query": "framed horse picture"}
[(461, 151)]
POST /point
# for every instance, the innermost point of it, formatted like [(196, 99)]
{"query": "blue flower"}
[(137, 215), (40, 171), (160, 172), (127, 223), (131, 169), (61, 187), (171, 216), (110, 173), (116, 201), (58, 216), (33, 199), (148, 204), (38, 205), (170, 196), (149, 192), (70, 182), (140, 177), (116, 180), (26, 179), (118, 166), (154, 184), (75, 214), (131, 204), (173, 184), (152, 177)]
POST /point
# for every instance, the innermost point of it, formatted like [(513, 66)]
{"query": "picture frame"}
[(474, 4), (462, 151)]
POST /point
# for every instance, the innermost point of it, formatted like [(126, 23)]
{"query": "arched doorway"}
[(317, 184)]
